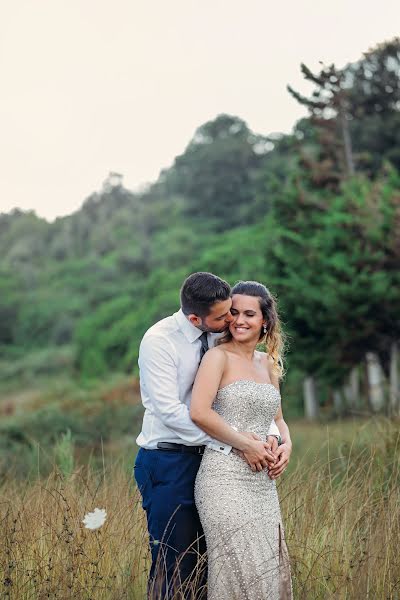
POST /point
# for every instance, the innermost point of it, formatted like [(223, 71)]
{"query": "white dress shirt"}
[(169, 357)]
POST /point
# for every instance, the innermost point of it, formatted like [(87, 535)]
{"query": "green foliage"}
[(22, 240), (25, 367), (285, 210), (64, 453), (10, 304), (100, 339), (335, 274), (217, 174), (66, 422)]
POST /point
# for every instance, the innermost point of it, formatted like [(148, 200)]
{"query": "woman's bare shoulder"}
[(214, 358), (216, 353)]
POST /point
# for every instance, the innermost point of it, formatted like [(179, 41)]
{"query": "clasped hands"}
[(266, 455)]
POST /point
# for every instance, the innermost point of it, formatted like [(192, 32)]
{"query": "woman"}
[(236, 392)]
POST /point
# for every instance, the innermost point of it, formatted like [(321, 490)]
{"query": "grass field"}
[(340, 501)]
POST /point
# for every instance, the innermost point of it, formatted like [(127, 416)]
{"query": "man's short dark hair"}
[(200, 291)]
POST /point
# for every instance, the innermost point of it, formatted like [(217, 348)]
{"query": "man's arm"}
[(159, 376), (273, 430)]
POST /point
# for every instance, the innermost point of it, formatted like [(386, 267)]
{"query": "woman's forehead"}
[(245, 302)]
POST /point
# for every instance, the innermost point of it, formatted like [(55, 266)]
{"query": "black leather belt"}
[(180, 448)]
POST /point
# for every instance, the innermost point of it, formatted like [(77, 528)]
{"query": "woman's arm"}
[(204, 391), (285, 449)]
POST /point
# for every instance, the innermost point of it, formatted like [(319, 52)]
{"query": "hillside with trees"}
[(315, 215)]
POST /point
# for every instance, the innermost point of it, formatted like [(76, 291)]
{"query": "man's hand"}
[(283, 453), (259, 454), (271, 439)]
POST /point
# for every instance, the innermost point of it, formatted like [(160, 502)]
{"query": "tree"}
[(217, 173), (374, 95), (356, 115), (10, 305), (334, 261), (330, 114)]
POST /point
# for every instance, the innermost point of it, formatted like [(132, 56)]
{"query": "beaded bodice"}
[(248, 405)]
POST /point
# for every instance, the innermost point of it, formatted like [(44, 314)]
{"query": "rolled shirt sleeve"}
[(273, 430)]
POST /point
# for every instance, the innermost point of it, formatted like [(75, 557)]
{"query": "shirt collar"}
[(190, 332)]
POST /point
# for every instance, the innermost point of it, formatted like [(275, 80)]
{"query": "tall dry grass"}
[(341, 513), (46, 552), (342, 519)]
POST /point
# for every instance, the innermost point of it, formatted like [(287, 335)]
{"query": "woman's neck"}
[(245, 349)]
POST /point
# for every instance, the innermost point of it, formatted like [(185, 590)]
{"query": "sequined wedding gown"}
[(239, 508)]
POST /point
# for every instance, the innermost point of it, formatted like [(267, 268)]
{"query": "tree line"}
[(314, 214)]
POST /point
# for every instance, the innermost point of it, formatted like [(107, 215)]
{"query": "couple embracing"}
[(209, 453)]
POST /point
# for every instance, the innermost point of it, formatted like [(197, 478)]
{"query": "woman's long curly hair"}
[(273, 338)]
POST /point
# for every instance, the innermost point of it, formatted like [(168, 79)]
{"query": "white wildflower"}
[(95, 519)]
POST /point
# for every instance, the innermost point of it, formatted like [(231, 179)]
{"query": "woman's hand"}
[(283, 453), (259, 454)]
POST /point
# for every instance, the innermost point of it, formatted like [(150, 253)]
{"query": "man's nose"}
[(229, 317)]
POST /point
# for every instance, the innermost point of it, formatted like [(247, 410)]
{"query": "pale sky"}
[(93, 86)]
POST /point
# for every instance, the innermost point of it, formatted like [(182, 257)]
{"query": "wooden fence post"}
[(394, 381), (311, 406), (375, 382)]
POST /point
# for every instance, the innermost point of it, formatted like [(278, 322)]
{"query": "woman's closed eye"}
[(247, 313)]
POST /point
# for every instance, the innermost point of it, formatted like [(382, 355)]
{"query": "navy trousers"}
[(166, 482)]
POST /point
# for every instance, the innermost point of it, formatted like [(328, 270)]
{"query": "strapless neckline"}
[(246, 381)]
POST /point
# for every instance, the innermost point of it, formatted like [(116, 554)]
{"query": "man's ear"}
[(195, 320)]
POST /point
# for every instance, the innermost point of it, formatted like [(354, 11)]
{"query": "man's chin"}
[(218, 330)]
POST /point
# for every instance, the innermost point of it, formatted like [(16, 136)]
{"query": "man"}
[(171, 445)]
